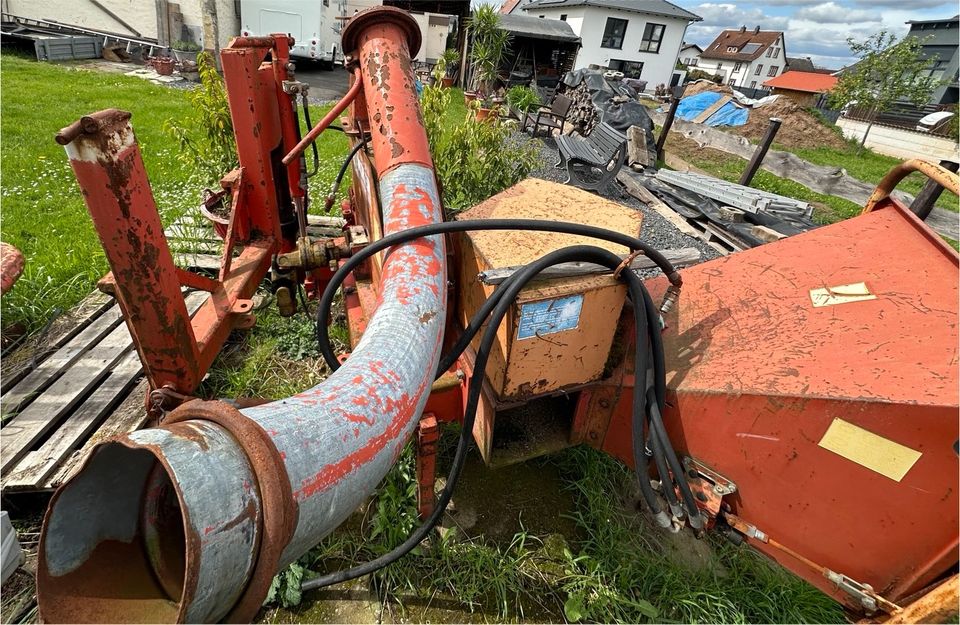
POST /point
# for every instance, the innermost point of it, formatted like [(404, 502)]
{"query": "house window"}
[(738, 67), (630, 69), (652, 37), (731, 48), (613, 33), (769, 52), (773, 70), (719, 66), (542, 16), (776, 52), (759, 69), (563, 17), (753, 84)]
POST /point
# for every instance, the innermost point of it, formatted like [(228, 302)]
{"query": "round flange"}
[(276, 495), (350, 36)]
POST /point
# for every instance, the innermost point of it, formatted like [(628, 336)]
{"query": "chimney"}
[(756, 31), (743, 29)]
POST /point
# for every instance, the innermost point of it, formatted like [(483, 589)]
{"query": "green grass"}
[(619, 568), (43, 211), (869, 167)]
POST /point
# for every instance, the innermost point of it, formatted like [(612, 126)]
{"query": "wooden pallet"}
[(196, 246), (83, 386)]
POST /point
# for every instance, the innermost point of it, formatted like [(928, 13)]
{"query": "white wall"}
[(590, 23), (690, 57), (900, 143), (140, 14)]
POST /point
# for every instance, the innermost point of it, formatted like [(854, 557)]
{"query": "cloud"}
[(717, 17), (914, 4), (833, 13)]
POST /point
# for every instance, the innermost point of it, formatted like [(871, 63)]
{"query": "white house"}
[(690, 54), (746, 58), (640, 38)]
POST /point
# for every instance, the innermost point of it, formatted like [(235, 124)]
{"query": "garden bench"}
[(604, 149)]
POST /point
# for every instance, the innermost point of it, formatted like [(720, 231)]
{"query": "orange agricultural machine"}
[(801, 396)]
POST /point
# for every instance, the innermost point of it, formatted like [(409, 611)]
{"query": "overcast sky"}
[(814, 28)]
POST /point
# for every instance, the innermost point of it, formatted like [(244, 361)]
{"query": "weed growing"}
[(621, 569)]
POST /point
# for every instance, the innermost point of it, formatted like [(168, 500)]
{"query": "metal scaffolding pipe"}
[(190, 521)]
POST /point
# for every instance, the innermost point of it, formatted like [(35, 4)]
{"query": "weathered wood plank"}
[(54, 366), (129, 416), (21, 360), (678, 257), (46, 411), (37, 466), (655, 204), (710, 110)]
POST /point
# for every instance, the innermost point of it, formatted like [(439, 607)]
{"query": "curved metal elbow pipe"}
[(190, 521)]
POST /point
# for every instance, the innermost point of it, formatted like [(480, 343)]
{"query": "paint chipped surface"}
[(351, 428)]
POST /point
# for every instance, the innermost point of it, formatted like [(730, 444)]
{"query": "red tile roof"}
[(738, 39), (508, 6), (810, 82)]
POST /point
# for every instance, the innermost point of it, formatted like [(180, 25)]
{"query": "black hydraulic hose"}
[(316, 153), (343, 171), (326, 300), (660, 432), (666, 484), (511, 289)]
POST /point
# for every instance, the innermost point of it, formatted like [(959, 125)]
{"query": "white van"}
[(315, 25)]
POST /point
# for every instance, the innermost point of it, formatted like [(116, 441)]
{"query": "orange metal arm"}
[(944, 177)]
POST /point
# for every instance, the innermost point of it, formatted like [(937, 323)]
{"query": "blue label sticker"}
[(549, 316)]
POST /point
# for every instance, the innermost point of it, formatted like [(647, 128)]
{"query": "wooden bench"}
[(604, 149)]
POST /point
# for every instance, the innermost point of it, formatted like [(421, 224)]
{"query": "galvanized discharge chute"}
[(189, 521)]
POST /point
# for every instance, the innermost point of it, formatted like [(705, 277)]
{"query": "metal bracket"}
[(709, 487), (869, 600)]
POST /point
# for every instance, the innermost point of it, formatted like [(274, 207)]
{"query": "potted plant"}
[(186, 50), (522, 100), (446, 68), (163, 65), (488, 46)]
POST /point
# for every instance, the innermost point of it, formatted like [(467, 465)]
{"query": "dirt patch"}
[(497, 503), (800, 128), (699, 86)]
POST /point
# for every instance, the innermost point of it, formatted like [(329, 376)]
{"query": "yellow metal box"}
[(559, 332)]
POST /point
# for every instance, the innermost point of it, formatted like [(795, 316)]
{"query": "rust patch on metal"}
[(276, 495)]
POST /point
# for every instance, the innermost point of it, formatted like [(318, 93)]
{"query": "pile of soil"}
[(800, 129), (699, 86)]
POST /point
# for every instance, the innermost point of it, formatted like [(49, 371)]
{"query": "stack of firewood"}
[(583, 116)]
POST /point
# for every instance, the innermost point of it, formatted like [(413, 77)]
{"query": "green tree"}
[(888, 71)]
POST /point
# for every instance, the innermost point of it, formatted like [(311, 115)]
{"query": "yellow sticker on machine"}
[(870, 450)]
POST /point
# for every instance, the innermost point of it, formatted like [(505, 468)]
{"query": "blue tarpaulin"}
[(728, 115)]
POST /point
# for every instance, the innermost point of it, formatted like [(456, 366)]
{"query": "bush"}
[(524, 99), (205, 137), (473, 159)]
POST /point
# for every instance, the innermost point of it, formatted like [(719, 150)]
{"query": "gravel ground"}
[(655, 230)]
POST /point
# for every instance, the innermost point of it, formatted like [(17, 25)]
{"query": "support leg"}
[(428, 433)]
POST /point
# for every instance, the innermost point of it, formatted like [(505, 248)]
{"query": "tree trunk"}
[(863, 141)]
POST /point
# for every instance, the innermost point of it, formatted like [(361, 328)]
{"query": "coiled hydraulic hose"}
[(496, 307), (510, 289), (541, 225)]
